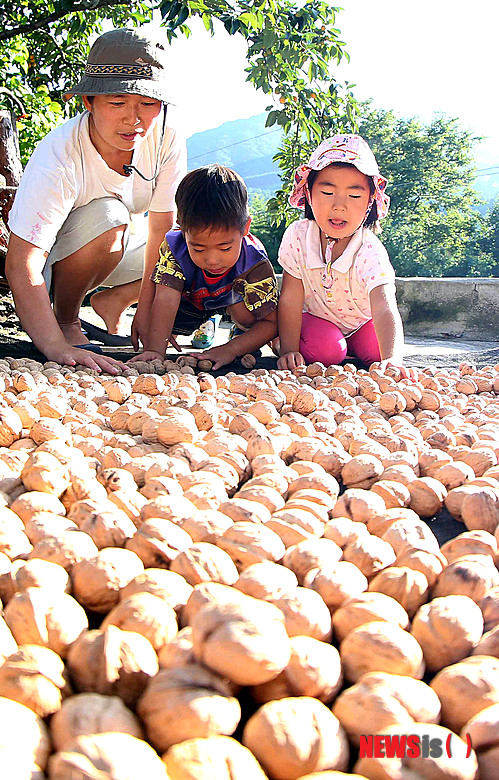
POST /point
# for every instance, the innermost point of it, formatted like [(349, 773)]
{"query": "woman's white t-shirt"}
[(363, 266), (66, 171)]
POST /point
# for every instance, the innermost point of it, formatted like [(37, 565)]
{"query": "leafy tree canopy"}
[(291, 46)]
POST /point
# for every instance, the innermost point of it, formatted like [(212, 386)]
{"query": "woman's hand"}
[(71, 356), (290, 361)]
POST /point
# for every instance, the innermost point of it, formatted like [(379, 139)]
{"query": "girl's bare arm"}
[(289, 318), (388, 326)]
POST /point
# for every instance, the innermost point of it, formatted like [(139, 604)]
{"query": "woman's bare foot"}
[(111, 304), (73, 333)]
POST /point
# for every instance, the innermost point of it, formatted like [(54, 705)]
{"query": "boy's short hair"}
[(371, 218), (212, 197)]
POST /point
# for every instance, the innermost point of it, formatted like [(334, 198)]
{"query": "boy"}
[(210, 265)]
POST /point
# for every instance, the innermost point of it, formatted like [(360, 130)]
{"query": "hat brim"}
[(97, 86)]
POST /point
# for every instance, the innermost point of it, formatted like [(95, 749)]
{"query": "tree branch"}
[(43, 21)]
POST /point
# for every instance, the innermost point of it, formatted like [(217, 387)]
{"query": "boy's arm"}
[(160, 317), (256, 336), (289, 316), (159, 223)]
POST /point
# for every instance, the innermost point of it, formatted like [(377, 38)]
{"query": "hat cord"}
[(128, 169)]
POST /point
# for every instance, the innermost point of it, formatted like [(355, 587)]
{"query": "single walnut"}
[(91, 713), (146, 614), (370, 555), (205, 562), (112, 662), (67, 549), (407, 586), (447, 629), (209, 757), (97, 580), (305, 614), (249, 543), (337, 583), (365, 608), (480, 509), (314, 669), (18, 719), (311, 554), (379, 700), (244, 640), (471, 575), (294, 736), (466, 688), (418, 534), (187, 702), (381, 647), (469, 543), (158, 542), (169, 586), (427, 496), (46, 617), (110, 754), (266, 580), (362, 471), (34, 676)]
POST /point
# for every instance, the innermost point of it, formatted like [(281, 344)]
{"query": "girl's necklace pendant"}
[(327, 276)]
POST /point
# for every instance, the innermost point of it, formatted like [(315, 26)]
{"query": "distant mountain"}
[(245, 145), (248, 147)]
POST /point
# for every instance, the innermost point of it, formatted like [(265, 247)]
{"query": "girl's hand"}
[(148, 354), (220, 356), (406, 371), (291, 360)]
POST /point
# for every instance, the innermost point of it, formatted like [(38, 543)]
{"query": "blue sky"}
[(415, 58)]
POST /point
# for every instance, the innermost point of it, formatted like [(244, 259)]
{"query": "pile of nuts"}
[(236, 578)]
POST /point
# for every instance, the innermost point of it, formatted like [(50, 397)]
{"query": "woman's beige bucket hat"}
[(124, 62)]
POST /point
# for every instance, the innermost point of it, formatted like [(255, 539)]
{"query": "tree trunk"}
[(10, 176)]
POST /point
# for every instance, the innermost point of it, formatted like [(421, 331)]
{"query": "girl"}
[(338, 286)]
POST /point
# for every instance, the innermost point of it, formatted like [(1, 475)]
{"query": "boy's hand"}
[(290, 360), (148, 354), (220, 356)]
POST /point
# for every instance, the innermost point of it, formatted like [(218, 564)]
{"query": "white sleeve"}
[(46, 194), (289, 252), (173, 169), (373, 266)]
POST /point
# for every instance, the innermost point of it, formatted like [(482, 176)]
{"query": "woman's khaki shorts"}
[(92, 220)]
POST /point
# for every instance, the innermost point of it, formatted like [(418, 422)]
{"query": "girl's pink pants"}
[(324, 342)]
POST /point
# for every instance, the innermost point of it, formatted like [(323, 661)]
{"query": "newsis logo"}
[(407, 746)]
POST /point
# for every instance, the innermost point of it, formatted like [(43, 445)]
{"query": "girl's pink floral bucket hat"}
[(350, 149)]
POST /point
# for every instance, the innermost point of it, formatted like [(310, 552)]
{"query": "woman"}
[(71, 226)]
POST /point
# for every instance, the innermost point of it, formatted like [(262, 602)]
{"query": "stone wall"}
[(442, 308), (450, 307)]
